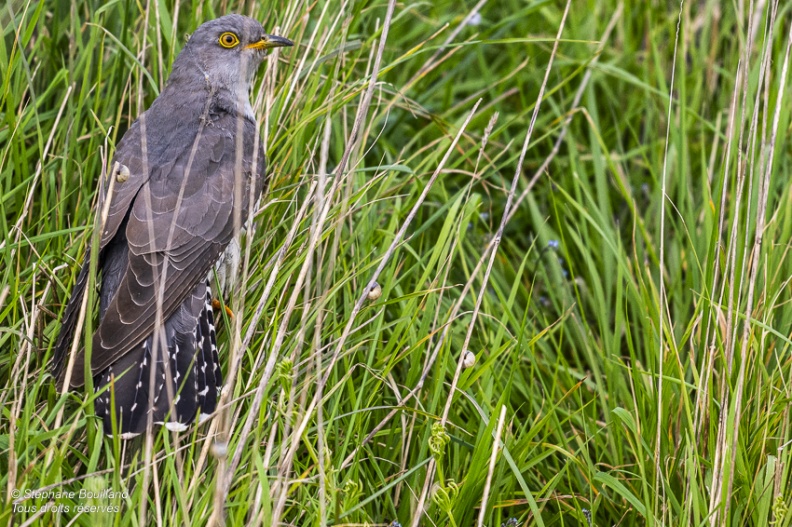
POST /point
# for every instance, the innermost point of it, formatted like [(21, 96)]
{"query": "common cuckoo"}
[(186, 175)]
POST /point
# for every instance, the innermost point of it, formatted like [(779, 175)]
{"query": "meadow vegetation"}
[(578, 215)]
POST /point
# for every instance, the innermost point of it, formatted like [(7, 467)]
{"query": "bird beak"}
[(270, 41)]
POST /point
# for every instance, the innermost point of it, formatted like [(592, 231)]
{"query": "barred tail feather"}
[(210, 378), (185, 375)]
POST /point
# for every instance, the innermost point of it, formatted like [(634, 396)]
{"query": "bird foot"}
[(217, 305)]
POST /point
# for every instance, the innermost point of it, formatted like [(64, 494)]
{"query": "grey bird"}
[(185, 173)]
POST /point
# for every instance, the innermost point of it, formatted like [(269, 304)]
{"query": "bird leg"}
[(217, 305)]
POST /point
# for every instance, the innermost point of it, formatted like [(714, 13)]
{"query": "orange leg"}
[(217, 305)]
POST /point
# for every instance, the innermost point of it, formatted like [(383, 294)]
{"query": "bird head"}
[(230, 49)]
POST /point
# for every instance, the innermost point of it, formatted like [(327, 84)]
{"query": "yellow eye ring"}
[(228, 40)]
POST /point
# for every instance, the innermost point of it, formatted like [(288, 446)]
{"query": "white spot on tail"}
[(173, 426)]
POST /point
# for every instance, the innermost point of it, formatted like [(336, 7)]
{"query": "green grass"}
[(606, 414)]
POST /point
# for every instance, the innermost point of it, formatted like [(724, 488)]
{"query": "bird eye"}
[(228, 40)]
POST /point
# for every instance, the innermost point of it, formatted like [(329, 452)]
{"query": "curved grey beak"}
[(270, 41)]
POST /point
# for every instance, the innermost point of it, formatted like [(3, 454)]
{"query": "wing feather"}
[(176, 223)]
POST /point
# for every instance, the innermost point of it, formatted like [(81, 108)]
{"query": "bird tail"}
[(210, 376), (60, 355), (186, 378)]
